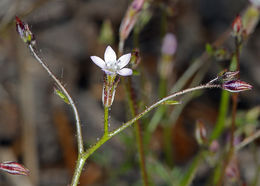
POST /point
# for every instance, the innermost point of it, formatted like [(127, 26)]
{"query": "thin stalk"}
[(106, 112), (248, 140), (138, 131), (72, 104), (129, 123)]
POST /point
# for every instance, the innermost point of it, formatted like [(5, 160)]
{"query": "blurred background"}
[(38, 130)]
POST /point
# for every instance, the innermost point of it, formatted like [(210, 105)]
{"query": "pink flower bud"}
[(137, 5), (236, 86), (24, 32), (130, 18), (232, 170), (237, 25), (169, 44), (14, 168)]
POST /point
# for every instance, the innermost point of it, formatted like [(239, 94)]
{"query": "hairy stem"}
[(72, 104), (79, 167), (129, 123)]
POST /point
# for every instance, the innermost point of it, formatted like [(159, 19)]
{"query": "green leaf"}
[(62, 96), (171, 102)]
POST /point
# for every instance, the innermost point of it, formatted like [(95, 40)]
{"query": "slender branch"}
[(74, 108), (129, 123)]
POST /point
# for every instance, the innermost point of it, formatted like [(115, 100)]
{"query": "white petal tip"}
[(125, 72), (98, 61)]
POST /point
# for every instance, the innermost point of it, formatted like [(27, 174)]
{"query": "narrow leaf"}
[(62, 96)]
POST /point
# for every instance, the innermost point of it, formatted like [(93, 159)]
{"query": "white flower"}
[(111, 65)]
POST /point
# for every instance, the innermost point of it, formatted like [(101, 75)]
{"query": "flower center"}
[(112, 66)]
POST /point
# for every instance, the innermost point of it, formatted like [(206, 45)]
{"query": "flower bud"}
[(169, 44), (135, 58), (24, 32), (130, 18), (237, 25), (236, 86), (200, 133), (229, 75), (168, 49), (14, 168), (232, 170)]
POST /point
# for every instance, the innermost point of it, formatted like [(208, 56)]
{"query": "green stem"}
[(106, 112), (139, 139), (80, 164), (129, 123), (223, 109)]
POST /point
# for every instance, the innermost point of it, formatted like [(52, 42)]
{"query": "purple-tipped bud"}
[(137, 5), (14, 168), (236, 86), (200, 133), (24, 32), (169, 44)]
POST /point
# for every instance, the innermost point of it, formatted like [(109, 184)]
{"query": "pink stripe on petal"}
[(125, 72), (124, 60), (98, 61)]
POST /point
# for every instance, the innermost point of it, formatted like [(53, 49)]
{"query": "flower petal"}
[(125, 72), (98, 61), (124, 60), (110, 55)]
